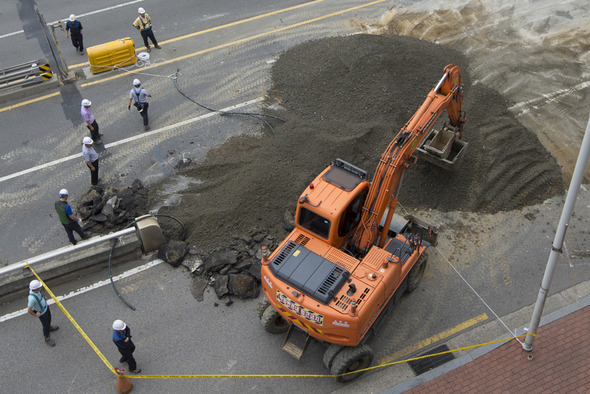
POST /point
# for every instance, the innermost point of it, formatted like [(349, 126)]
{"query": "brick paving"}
[(558, 365)]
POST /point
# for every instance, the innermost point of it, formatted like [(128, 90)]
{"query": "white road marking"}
[(131, 139), (79, 16), (86, 289)]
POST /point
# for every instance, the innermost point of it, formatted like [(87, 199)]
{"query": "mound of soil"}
[(347, 97)]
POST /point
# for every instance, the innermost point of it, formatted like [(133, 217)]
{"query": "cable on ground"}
[(259, 116)]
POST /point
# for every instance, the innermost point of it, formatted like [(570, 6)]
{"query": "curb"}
[(478, 352)]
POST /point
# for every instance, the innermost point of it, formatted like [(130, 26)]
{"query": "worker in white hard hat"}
[(37, 306), (74, 27), (90, 121), (125, 346), (138, 96), (68, 220), (143, 23), (91, 159)]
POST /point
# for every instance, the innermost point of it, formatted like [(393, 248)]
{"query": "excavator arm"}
[(384, 189)]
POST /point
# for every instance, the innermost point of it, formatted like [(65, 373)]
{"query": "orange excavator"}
[(350, 257)]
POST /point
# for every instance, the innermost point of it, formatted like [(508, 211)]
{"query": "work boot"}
[(157, 46), (137, 370), (53, 328), (49, 341), (122, 359), (146, 128), (74, 243), (148, 49)]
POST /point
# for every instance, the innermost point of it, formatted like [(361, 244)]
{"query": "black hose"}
[(115, 243), (258, 116)]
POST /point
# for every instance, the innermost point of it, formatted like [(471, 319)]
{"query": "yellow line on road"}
[(187, 56), (429, 341), (241, 41), (236, 23)]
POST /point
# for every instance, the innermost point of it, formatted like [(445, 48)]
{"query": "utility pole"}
[(556, 247)]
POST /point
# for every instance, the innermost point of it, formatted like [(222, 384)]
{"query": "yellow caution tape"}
[(247, 376)]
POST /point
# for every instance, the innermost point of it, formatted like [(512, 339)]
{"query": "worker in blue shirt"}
[(74, 27), (37, 306)]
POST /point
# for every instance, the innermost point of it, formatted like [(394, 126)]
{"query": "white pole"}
[(566, 215)]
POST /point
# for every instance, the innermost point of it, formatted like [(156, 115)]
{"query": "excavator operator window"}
[(352, 215), (315, 223)]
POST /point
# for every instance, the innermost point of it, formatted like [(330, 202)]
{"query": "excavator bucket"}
[(443, 148)]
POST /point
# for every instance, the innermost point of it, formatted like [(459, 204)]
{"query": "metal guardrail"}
[(32, 72), (69, 259)]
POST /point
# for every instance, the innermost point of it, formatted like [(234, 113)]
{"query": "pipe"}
[(556, 247)]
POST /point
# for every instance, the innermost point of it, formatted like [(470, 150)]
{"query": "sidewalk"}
[(558, 363)]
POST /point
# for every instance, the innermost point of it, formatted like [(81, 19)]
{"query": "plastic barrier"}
[(105, 57)]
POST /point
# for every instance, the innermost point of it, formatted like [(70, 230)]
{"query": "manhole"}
[(428, 363)]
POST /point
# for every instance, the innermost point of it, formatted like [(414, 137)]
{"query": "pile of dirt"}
[(347, 97)]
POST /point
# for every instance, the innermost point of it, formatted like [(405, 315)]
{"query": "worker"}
[(125, 346), (91, 159), (90, 121), (138, 96), (67, 218), (74, 27), (37, 306), (143, 23)]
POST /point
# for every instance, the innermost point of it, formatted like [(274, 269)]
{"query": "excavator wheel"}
[(417, 272), (263, 303), (351, 359), (331, 353), (273, 322)]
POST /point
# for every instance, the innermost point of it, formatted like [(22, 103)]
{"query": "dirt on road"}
[(347, 97)]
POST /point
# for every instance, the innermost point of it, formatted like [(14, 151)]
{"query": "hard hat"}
[(35, 284), (86, 103), (136, 82), (87, 141), (72, 18), (63, 192), (141, 10), (119, 325)]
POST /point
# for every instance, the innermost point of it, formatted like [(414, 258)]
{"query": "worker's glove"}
[(80, 222), (128, 108)]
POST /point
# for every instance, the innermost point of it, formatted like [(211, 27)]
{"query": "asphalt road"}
[(500, 259)]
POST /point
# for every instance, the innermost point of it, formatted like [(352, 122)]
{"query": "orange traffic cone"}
[(123, 384)]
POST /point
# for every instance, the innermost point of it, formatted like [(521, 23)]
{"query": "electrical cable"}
[(115, 243), (258, 116)]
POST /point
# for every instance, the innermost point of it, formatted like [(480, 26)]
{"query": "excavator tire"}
[(417, 272), (263, 303), (273, 322), (351, 359), (331, 353)]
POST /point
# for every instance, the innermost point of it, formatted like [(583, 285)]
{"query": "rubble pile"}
[(232, 271), (105, 209)]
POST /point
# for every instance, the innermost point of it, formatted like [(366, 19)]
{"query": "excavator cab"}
[(331, 206)]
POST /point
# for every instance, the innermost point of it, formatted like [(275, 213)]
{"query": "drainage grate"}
[(428, 363)]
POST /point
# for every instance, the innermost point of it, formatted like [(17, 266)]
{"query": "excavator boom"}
[(447, 94)]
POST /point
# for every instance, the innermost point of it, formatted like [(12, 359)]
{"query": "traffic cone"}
[(123, 384)]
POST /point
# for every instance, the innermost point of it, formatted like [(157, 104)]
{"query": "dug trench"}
[(346, 97)]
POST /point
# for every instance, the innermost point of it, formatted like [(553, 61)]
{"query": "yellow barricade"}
[(105, 57)]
